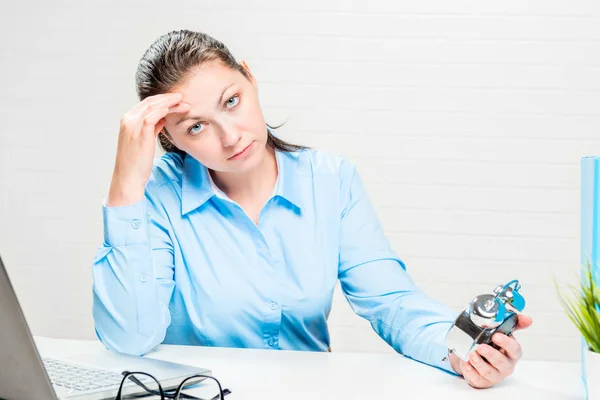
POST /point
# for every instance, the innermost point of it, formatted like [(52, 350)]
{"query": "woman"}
[(237, 238)]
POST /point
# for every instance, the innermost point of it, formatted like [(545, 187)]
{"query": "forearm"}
[(130, 302), (407, 319), (418, 332)]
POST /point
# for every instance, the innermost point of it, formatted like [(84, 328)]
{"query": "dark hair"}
[(167, 62)]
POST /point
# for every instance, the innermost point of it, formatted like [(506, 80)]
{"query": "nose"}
[(229, 135)]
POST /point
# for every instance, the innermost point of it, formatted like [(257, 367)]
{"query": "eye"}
[(232, 102), (196, 128)]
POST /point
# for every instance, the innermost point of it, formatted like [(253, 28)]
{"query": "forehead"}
[(207, 81)]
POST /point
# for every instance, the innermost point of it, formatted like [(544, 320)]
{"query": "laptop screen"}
[(23, 375)]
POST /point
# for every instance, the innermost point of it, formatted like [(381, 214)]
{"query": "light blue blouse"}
[(186, 265)]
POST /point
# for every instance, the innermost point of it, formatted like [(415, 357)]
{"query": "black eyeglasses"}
[(154, 391)]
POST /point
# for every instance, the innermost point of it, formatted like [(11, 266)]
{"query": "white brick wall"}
[(467, 120)]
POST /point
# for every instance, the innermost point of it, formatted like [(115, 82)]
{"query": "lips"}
[(240, 152)]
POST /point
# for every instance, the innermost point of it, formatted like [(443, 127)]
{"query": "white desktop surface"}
[(267, 374)]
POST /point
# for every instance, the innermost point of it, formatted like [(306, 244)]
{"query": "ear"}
[(167, 135), (250, 76)]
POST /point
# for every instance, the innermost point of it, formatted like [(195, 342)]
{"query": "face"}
[(224, 128)]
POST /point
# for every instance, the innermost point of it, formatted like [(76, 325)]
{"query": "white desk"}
[(266, 374)]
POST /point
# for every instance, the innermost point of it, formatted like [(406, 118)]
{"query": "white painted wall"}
[(467, 120)]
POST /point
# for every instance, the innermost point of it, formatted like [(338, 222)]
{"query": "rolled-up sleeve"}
[(377, 286)]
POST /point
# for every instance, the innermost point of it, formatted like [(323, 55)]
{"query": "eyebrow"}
[(218, 103)]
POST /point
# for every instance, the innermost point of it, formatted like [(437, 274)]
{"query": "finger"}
[(159, 126), (152, 119), (523, 321), (177, 109), (496, 359), (151, 100), (484, 368), (473, 377), (159, 101), (509, 344), (180, 108)]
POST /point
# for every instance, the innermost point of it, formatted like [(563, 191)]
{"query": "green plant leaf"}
[(582, 306)]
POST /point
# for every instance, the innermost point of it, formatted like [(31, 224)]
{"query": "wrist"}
[(455, 363), (124, 194)]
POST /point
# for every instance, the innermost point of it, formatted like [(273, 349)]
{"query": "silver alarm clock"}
[(485, 315)]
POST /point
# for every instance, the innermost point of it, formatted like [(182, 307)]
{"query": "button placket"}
[(272, 324), (272, 306)]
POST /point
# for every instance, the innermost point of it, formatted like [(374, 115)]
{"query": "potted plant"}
[(582, 305)]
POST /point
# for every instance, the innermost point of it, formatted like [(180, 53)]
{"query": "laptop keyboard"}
[(80, 378)]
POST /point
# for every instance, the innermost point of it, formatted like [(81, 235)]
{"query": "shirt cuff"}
[(439, 350), (125, 225)]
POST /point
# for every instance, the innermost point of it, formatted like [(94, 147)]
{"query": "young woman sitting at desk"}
[(237, 238)]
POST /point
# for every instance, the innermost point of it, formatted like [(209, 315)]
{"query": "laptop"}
[(24, 375)]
